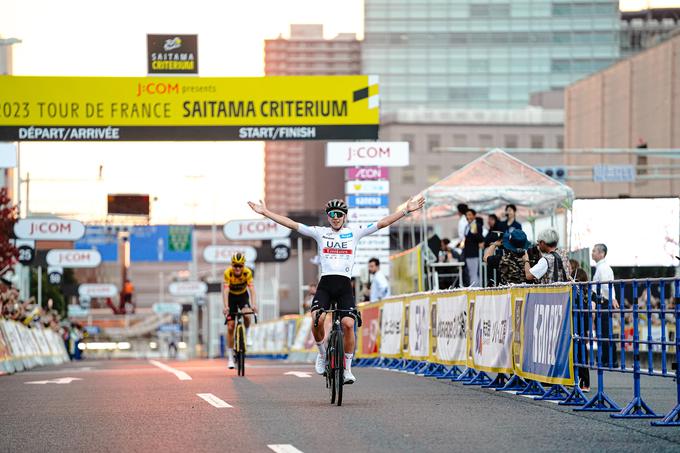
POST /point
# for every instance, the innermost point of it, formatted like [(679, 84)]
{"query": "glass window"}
[(408, 175), (485, 140), (460, 140), (537, 141), (559, 141), (411, 139), (433, 141), (510, 141), (433, 173)]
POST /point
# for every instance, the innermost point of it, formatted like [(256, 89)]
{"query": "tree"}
[(8, 217)]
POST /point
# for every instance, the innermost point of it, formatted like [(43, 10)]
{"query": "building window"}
[(433, 141), (460, 140), (510, 141), (408, 175), (537, 141), (485, 140), (411, 139), (433, 173), (559, 141)]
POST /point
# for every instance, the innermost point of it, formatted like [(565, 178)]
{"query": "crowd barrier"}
[(534, 338), (22, 348)]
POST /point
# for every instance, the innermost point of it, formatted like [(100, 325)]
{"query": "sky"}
[(192, 182)]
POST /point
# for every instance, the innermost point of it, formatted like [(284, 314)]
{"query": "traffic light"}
[(558, 173)]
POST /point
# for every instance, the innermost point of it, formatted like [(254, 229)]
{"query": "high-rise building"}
[(296, 178), (484, 54)]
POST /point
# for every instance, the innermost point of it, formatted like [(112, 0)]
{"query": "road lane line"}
[(214, 401), (181, 375), (284, 448)]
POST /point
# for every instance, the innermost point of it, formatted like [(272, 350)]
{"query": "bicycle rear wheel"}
[(340, 366)]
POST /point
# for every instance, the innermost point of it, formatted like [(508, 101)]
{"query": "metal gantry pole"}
[(301, 293)]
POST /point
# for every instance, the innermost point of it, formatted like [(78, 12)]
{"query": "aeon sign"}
[(368, 173), (49, 229), (236, 230), (362, 154), (72, 258)]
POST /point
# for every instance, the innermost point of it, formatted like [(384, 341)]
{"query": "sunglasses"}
[(237, 265), (336, 214)]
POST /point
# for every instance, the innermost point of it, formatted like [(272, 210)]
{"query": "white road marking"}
[(300, 374), (214, 401), (65, 380), (284, 448), (181, 375)]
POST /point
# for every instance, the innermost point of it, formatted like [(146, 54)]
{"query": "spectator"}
[(510, 223), (604, 273), (473, 243), (462, 222), (579, 275), (510, 262), (311, 292), (492, 258), (553, 266), (445, 255), (492, 223), (380, 288)]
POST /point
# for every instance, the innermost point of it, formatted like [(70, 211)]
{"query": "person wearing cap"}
[(511, 263)]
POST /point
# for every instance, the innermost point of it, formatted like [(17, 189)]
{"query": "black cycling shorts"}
[(334, 288), (238, 301)]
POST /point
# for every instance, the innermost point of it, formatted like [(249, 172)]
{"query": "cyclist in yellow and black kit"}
[(238, 283)]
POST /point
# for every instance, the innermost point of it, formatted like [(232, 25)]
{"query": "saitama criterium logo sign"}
[(188, 108), (172, 54)]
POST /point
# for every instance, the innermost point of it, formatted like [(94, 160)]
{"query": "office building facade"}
[(484, 55)]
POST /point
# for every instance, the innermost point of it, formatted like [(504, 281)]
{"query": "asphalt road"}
[(136, 405)]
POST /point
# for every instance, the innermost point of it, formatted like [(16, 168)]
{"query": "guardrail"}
[(535, 338)]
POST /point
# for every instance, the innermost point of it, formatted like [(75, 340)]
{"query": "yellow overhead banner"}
[(188, 108)]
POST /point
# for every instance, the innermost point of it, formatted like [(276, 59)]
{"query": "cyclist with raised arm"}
[(238, 282), (336, 248)]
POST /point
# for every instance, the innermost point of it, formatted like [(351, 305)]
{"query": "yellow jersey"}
[(238, 285)]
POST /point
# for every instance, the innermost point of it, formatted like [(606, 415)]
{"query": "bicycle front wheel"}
[(240, 344), (340, 367)]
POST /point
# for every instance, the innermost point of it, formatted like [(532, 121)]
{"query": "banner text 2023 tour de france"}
[(181, 108)]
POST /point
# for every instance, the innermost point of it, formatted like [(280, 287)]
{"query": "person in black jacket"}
[(473, 243)]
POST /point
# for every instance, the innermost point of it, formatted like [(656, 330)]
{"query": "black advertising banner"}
[(172, 54)]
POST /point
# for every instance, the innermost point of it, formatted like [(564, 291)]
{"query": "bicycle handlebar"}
[(241, 314), (321, 311)]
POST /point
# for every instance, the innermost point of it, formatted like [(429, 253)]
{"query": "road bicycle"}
[(240, 339), (335, 352)]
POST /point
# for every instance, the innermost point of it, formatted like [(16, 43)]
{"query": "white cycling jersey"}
[(336, 248)]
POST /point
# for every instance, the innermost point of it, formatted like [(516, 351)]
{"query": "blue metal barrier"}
[(589, 302)]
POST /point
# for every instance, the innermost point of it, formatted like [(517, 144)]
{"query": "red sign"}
[(368, 173), (370, 331)]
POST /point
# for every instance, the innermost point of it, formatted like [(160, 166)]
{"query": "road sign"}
[(368, 173), (367, 187), (367, 214), (73, 258), (26, 251), (362, 154), (76, 311), (49, 229), (281, 253), (188, 288), (94, 290), (367, 201), (221, 254), (614, 173), (239, 230), (54, 274), (374, 242), (167, 307)]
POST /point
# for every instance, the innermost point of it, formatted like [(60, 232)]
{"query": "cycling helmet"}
[(336, 205), (238, 258)]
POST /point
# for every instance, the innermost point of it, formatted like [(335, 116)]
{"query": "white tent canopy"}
[(494, 180)]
